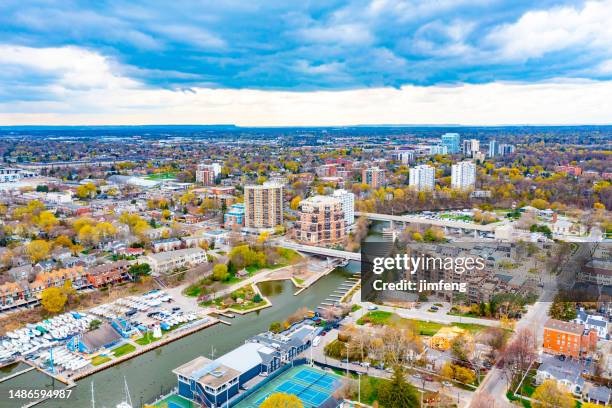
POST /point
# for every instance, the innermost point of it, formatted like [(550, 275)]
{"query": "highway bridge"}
[(447, 225), (309, 249)]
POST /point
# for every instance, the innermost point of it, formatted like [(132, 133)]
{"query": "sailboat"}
[(128, 400)]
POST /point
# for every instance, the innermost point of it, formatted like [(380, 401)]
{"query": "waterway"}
[(150, 374)]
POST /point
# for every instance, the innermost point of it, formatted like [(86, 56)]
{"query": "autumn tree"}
[(282, 400), (551, 395), (38, 250), (220, 272), (53, 299)]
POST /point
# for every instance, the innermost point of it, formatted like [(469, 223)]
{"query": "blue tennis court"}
[(311, 385)]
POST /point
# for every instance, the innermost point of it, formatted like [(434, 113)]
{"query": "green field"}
[(161, 176), (146, 339), (425, 328), (97, 360), (123, 349)]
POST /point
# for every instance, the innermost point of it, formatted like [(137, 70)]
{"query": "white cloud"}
[(539, 32), (105, 96), (351, 34)]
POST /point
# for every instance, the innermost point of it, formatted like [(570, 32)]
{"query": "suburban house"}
[(567, 373), (169, 261), (109, 273), (591, 322), (211, 383), (168, 244), (568, 339)]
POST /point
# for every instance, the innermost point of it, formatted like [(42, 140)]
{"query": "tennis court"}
[(311, 385)]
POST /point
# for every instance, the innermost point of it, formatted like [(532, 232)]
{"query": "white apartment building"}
[(169, 261), (463, 175), (422, 177), (471, 146), (12, 175), (348, 205)]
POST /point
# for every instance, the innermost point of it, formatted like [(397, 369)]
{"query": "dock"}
[(17, 374)]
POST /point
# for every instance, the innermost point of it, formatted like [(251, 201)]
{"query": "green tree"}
[(398, 393), (276, 327), (143, 269), (220, 272), (94, 324)]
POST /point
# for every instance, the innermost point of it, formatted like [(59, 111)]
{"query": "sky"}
[(308, 62)]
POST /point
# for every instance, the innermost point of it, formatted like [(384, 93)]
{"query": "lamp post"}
[(359, 387)]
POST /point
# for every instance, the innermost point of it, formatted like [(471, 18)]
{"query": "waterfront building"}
[(215, 382), (373, 176), (263, 205), (463, 175), (321, 221), (422, 177), (451, 141), (348, 205), (109, 273)]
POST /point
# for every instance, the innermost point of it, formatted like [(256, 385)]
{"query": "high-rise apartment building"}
[(263, 205), (373, 176), (463, 175), (505, 149), (493, 148), (422, 177), (208, 173), (348, 205), (471, 146), (451, 141), (438, 149), (321, 221)]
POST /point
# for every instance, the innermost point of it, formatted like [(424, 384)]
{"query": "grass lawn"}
[(382, 318), (194, 290), (355, 308), (146, 339), (123, 349), (298, 280), (97, 360), (161, 176), (248, 305)]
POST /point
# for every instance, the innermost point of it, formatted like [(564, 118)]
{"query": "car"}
[(372, 307), (435, 308), (428, 378), (323, 333), (417, 375), (447, 383)]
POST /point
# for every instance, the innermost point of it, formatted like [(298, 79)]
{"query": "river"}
[(150, 374)]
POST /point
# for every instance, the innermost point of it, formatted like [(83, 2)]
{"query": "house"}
[(212, 383), (591, 322), (568, 339), (171, 260), (109, 273), (597, 394), (168, 244), (566, 372)]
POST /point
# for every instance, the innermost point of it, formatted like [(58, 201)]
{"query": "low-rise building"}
[(234, 216), (110, 273), (163, 262), (568, 339)]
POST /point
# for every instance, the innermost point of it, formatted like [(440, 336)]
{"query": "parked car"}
[(372, 307)]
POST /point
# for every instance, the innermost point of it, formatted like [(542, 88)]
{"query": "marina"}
[(149, 373)]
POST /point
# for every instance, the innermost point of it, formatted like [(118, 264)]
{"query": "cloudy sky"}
[(308, 62)]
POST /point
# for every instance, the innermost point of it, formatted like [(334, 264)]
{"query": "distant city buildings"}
[(438, 149), (12, 175), (571, 170), (422, 177), (263, 205), (321, 221), (348, 205), (402, 156), (451, 142), (208, 173), (505, 149), (471, 146), (493, 148), (373, 176), (463, 175)]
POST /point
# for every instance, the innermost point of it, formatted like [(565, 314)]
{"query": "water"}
[(150, 374)]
